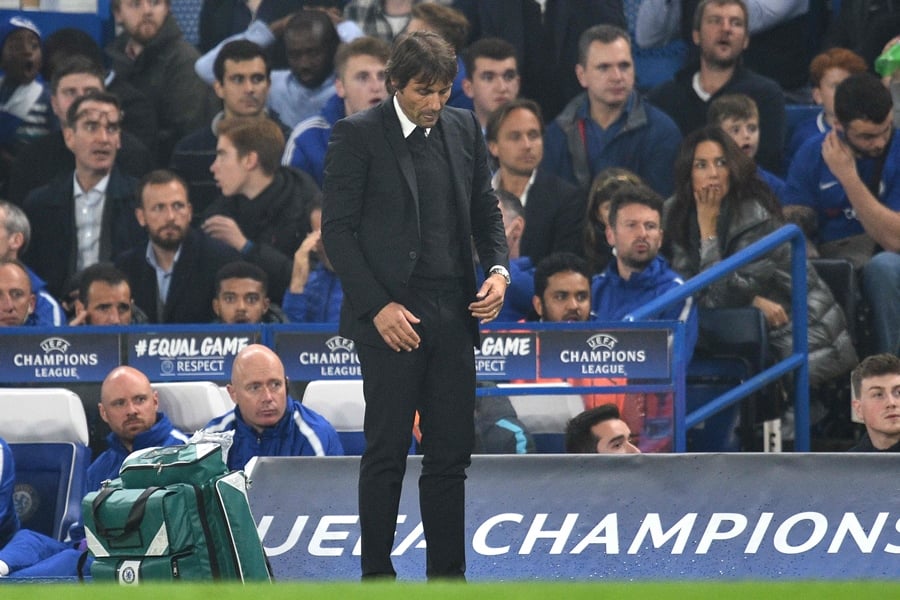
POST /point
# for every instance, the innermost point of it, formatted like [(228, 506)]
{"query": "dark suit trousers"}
[(438, 380)]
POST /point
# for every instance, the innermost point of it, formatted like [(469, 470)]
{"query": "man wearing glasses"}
[(265, 420), (173, 275)]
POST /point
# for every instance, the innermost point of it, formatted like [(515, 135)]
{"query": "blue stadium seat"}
[(732, 347), (47, 432)]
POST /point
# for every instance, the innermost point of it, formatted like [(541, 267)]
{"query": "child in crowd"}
[(826, 71), (738, 116)]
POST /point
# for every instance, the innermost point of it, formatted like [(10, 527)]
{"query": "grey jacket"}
[(831, 351)]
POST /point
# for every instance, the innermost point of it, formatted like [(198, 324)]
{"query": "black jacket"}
[(192, 287), (51, 211), (276, 222)]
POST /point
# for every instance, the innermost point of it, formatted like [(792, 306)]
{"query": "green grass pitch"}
[(445, 591)]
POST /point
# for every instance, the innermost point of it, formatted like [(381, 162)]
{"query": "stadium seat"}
[(341, 402), (47, 431), (840, 277), (190, 405), (545, 415), (732, 346)]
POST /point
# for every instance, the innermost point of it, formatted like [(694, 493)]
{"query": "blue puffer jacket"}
[(300, 432)]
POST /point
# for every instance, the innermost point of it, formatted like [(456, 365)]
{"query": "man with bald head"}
[(265, 420), (16, 298), (131, 409)]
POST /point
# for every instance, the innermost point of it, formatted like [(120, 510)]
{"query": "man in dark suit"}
[(82, 218), (407, 188), (46, 157), (554, 208), (172, 276)]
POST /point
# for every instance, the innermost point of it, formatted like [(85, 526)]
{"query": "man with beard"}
[(639, 274), (720, 30), (131, 409), (848, 182), (172, 276), (152, 55), (610, 124), (242, 82), (86, 216)]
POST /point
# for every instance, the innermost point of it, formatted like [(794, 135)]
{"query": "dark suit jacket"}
[(192, 287), (44, 159), (554, 217), (370, 219), (51, 211)]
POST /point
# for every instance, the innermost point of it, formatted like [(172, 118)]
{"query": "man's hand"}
[(394, 322), (489, 299), (79, 319), (774, 313), (300, 272), (226, 230), (839, 157)]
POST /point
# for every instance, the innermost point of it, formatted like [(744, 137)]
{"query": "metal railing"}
[(797, 361)]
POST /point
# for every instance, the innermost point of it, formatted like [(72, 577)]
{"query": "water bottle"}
[(889, 62)]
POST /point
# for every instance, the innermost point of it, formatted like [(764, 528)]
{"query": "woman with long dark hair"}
[(720, 206)]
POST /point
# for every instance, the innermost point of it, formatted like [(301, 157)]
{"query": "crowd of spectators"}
[(164, 182)]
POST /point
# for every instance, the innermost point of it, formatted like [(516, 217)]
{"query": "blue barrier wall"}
[(602, 517)]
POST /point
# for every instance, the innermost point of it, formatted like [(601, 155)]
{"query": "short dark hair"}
[(496, 118), (117, 4), (262, 136), (558, 262), (493, 48), (447, 22), (606, 183), (77, 64), (579, 437), (731, 106), (305, 22), (421, 54), (102, 97), (605, 34), (241, 269), (701, 8), (65, 43), (635, 194), (238, 51), (873, 366), (158, 177), (864, 97), (105, 272), (361, 46)]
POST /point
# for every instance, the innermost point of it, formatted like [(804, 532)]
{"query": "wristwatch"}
[(502, 271)]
